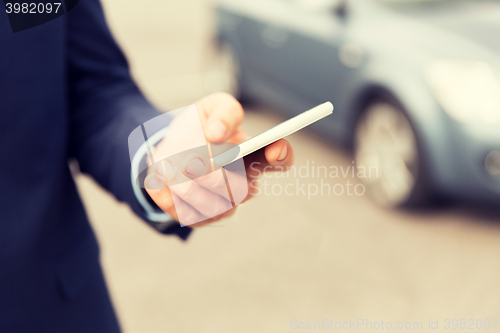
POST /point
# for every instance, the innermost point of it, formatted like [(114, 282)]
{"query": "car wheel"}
[(388, 157)]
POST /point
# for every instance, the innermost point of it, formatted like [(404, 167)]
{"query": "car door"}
[(294, 44)]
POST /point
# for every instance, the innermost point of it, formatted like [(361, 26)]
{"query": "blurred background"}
[(417, 97)]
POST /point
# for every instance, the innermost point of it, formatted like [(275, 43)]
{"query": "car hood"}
[(478, 21)]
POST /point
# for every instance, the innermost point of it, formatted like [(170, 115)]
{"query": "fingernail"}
[(154, 184), (216, 131), (283, 154), (196, 168), (165, 169)]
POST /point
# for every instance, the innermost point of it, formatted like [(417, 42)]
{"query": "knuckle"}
[(217, 182), (186, 189), (238, 109), (224, 96), (232, 102)]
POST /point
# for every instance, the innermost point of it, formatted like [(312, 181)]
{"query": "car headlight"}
[(468, 91)]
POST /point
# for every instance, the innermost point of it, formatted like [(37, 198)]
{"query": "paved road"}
[(283, 259)]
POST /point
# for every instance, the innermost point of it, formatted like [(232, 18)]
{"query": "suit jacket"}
[(65, 93)]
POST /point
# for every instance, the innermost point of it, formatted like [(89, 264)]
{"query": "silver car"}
[(415, 84)]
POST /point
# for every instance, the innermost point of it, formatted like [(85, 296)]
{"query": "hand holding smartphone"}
[(203, 182), (280, 131)]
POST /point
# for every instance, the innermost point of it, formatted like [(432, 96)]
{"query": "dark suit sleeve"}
[(105, 106)]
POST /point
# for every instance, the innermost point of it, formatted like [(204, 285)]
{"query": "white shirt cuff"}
[(153, 214)]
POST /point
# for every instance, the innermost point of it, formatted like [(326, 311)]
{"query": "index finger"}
[(223, 114)]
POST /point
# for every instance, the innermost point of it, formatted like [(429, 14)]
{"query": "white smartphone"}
[(280, 131)]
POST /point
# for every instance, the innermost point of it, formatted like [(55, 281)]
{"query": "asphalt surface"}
[(284, 259)]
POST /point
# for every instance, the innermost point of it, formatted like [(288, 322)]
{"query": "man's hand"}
[(220, 115)]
